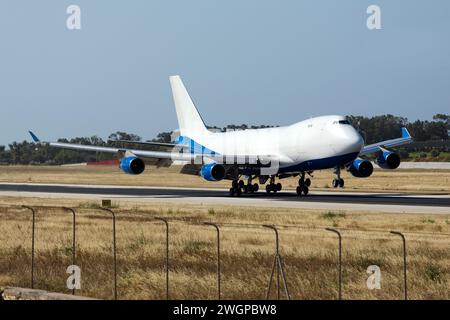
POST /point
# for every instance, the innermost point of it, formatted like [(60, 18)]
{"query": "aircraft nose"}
[(355, 140)]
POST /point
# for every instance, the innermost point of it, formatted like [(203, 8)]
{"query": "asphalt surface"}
[(283, 196)]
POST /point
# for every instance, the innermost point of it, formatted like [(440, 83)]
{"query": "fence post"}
[(405, 279), (278, 264), (340, 260), (167, 254), (218, 256), (33, 212), (114, 249), (73, 236)]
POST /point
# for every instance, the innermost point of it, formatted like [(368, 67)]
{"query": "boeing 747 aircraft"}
[(262, 155)]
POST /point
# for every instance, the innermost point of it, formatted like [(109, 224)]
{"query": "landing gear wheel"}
[(268, 188), (241, 184), (273, 187), (235, 189), (255, 187), (278, 186), (247, 189), (307, 182), (299, 190), (305, 190), (335, 183), (341, 183)]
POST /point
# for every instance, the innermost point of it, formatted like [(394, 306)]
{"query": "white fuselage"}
[(316, 143)]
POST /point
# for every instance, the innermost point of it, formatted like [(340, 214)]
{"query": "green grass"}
[(426, 156), (433, 272), (96, 205), (428, 220), (330, 215)]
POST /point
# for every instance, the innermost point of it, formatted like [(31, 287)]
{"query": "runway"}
[(389, 202)]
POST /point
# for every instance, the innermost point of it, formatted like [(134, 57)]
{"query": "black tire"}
[(335, 183), (341, 183), (255, 187), (279, 186), (231, 192), (238, 191), (268, 188), (305, 190), (247, 189), (241, 184), (299, 190), (307, 182), (234, 184)]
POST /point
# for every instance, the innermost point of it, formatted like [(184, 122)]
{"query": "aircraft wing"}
[(138, 153), (120, 151), (148, 143), (376, 147), (197, 158)]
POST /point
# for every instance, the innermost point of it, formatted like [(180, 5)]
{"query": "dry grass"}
[(309, 252), (381, 180)]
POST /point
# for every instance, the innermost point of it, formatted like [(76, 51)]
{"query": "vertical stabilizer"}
[(189, 120)]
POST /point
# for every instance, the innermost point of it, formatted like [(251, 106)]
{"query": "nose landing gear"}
[(338, 181)]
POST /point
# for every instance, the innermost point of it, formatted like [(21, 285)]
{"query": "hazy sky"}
[(243, 61)]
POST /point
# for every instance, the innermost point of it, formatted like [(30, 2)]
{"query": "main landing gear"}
[(272, 186), (238, 187), (338, 181), (303, 185)]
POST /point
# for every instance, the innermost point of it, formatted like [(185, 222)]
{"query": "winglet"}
[(405, 133), (34, 137)]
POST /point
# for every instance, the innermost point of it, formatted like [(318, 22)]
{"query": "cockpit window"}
[(344, 122)]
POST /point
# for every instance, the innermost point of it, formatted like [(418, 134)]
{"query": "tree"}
[(378, 128), (445, 118), (165, 137), (119, 135)]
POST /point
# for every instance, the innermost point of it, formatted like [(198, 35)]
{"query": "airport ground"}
[(308, 250), (410, 180)]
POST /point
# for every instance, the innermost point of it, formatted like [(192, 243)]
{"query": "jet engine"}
[(360, 168), (132, 165), (212, 172), (388, 160)]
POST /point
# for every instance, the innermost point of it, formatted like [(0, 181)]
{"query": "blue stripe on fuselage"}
[(195, 147), (319, 164)]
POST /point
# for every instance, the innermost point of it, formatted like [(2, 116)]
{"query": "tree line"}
[(428, 136)]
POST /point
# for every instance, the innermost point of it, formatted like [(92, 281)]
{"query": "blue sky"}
[(246, 61)]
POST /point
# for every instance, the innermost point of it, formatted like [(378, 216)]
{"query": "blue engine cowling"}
[(388, 160), (360, 168), (212, 172), (132, 165)]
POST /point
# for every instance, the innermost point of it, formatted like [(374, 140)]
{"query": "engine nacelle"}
[(132, 165), (212, 172), (388, 160), (361, 168)]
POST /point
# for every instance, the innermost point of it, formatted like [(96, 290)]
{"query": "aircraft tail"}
[(190, 122)]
